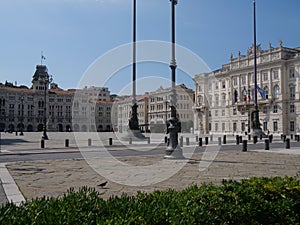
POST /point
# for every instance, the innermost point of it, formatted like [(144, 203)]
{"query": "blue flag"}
[(261, 91)]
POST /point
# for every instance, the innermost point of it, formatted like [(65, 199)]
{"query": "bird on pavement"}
[(102, 185)]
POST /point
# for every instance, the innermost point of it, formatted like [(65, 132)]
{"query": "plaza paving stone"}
[(54, 177)]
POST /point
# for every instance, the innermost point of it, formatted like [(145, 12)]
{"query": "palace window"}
[(243, 80), (265, 76), (275, 75), (275, 126), (216, 126), (223, 84), (234, 111), (292, 72), (216, 113), (234, 127), (275, 109), (292, 126), (292, 92), (243, 126), (292, 108), (235, 81), (216, 100), (276, 91)]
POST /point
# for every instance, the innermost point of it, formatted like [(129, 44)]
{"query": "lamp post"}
[(173, 150), (47, 80), (22, 115)]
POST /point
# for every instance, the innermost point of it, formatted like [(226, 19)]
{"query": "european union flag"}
[(261, 91)]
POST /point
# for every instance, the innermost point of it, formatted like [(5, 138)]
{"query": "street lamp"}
[(47, 80), (22, 114), (173, 150)]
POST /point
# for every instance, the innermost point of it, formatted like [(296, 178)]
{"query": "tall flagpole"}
[(134, 129), (255, 59), (134, 55), (255, 123)]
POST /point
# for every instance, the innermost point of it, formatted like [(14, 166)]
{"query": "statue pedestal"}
[(258, 132), (134, 135)]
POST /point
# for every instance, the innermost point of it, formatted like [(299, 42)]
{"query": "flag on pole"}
[(261, 91)]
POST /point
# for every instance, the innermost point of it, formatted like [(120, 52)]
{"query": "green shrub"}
[(253, 201)]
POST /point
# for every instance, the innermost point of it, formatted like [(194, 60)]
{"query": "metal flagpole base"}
[(174, 153)]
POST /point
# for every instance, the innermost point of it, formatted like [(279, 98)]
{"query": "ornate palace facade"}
[(224, 98)]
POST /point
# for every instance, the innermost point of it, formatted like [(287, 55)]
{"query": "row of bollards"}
[(239, 139)]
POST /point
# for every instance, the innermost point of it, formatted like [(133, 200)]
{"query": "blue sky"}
[(73, 33)]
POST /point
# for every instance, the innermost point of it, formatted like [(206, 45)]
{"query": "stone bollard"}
[(42, 143), (166, 139), (237, 139), (89, 142), (206, 140), (181, 142), (148, 140), (284, 138), (196, 138), (267, 144), (187, 141), (110, 141), (287, 143), (270, 138), (67, 143), (219, 141), (224, 139), (130, 141), (254, 139), (200, 141), (241, 139), (244, 149)]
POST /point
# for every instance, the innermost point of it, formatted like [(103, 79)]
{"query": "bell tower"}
[(40, 78)]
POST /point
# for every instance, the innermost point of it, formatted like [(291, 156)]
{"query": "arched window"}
[(276, 91)]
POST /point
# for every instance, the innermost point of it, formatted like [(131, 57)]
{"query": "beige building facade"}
[(23, 108), (224, 98), (160, 111)]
